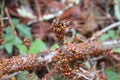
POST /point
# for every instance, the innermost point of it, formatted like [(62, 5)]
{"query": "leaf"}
[(9, 47), (8, 36), (54, 46), (111, 74), (117, 9), (54, 78), (119, 28), (24, 30), (104, 37), (37, 46), (15, 21), (117, 50), (22, 76), (9, 40), (112, 34), (22, 48), (17, 41), (62, 78), (1, 47), (23, 11)]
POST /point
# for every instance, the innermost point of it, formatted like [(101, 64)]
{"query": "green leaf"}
[(15, 21), (1, 47), (9, 40), (119, 28), (117, 9), (9, 47), (22, 76), (22, 48), (104, 37), (9, 30), (117, 50), (54, 46), (62, 78), (111, 74), (112, 34), (54, 78), (17, 41), (37, 46), (24, 30), (8, 36)]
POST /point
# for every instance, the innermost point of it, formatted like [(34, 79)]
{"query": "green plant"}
[(112, 75), (11, 39), (111, 34)]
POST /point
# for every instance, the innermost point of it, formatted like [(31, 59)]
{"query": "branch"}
[(9, 76), (111, 44), (32, 61), (20, 63), (105, 30)]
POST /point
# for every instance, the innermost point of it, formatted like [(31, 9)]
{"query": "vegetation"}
[(59, 39)]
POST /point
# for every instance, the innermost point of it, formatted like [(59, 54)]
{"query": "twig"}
[(9, 18), (51, 16), (9, 76), (38, 8), (2, 12), (6, 18), (98, 58), (116, 57), (105, 30), (10, 21), (111, 44), (87, 75)]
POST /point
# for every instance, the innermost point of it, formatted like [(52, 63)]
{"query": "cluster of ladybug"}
[(19, 63), (59, 27)]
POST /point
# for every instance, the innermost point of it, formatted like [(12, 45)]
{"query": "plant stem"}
[(2, 12)]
